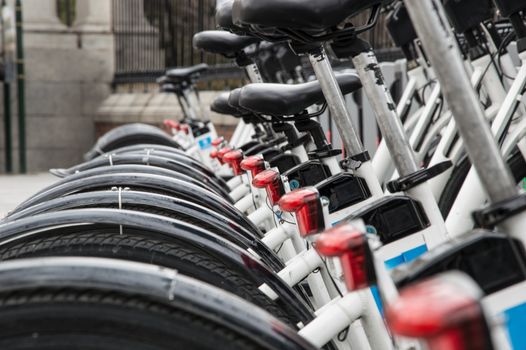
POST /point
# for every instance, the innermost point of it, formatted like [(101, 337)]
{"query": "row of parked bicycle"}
[(275, 239)]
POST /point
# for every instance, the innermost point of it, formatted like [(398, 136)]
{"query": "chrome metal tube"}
[(439, 42), (336, 103), (253, 73), (384, 108)]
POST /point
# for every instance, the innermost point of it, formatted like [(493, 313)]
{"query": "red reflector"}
[(271, 181), (218, 141), (356, 258), (234, 158), (443, 311), (213, 154), (172, 124), (254, 164), (305, 203), (339, 240), (222, 152), (185, 128)]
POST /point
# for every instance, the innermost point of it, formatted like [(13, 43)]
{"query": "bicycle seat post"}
[(338, 109), (335, 100)]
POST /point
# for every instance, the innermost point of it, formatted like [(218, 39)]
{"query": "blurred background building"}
[(91, 65)]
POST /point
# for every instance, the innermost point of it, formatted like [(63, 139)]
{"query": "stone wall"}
[(68, 76), (69, 101)]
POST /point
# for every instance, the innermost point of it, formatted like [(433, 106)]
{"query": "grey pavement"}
[(14, 189)]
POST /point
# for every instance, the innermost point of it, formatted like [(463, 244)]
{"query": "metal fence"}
[(151, 35)]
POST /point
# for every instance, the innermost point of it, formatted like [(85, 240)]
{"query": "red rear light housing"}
[(218, 142), (172, 124), (222, 152), (270, 180), (444, 311), (185, 128), (234, 159), (352, 248), (306, 204), (254, 164)]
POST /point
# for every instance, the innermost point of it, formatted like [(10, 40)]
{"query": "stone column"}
[(41, 15), (93, 16)]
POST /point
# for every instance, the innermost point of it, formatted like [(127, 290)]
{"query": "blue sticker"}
[(515, 321), (205, 143), (294, 184), (401, 259), (406, 257)]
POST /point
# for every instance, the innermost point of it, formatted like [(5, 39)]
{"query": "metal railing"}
[(151, 35)]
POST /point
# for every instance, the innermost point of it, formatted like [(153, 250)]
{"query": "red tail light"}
[(213, 154), (270, 180), (443, 311), (350, 245), (172, 124), (254, 164), (218, 142), (306, 204), (222, 152), (234, 158), (185, 128)]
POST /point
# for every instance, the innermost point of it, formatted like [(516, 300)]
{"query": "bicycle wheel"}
[(147, 247), (170, 207), (88, 304), (130, 134)]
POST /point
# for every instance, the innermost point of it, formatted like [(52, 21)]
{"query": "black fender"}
[(15, 232), (154, 161), (147, 146), (162, 205), (173, 154), (130, 134), (133, 169), (145, 183), (193, 163), (157, 285)]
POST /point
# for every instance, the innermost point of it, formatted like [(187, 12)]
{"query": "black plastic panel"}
[(284, 162), (309, 173), (394, 217), (343, 190), (494, 260)]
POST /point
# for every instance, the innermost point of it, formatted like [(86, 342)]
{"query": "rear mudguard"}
[(145, 183), (183, 159), (146, 146), (166, 152), (133, 169), (162, 205), (154, 161), (157, 285), (127, 135), (152, 226)]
